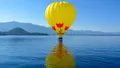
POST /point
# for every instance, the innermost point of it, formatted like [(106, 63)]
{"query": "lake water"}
[(30, 51)]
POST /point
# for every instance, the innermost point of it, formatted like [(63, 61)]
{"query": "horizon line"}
[(50, 27)]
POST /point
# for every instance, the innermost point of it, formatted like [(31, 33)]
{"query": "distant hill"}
[(32, 28), (20, 31), (6, 26), (17, 31)]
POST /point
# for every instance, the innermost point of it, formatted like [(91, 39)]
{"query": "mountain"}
[(20, 31), (17, 31), (7, 26)]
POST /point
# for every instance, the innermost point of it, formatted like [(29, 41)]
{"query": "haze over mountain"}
[(20, 31), (6, 26)]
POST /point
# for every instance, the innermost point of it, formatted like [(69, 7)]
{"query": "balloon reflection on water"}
[(60, 58)]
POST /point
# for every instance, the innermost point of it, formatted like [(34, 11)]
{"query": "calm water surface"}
[(30, 51)]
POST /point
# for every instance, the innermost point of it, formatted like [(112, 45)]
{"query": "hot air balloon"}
[(60, 16)]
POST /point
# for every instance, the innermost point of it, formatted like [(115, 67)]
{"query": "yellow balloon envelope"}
[(60, 16)]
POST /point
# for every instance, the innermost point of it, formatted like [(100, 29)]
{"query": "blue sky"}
[(96, 15)]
